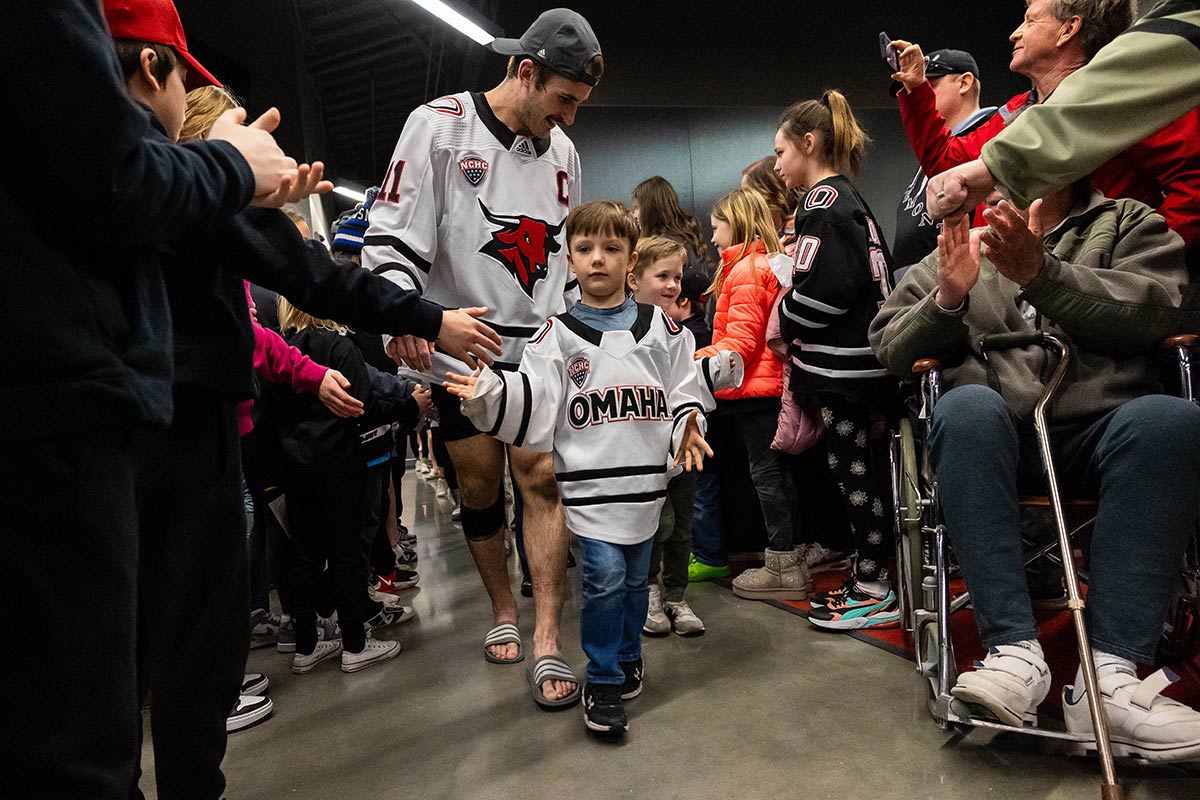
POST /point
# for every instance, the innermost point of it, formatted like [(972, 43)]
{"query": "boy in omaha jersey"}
[(609, 387)]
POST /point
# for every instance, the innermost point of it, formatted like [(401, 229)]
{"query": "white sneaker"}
[(657, 623), (1011, 682), (323, 652), (423, 469), (247, 711), (1141, 722), (442, 489), (683, 620), (822, 559), (255, 684), (374, 652)]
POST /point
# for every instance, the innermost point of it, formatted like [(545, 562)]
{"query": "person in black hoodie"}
[(194, 582), (86, 365), (332, 496)]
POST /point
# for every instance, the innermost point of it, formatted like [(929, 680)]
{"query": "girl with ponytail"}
[(841, 275)]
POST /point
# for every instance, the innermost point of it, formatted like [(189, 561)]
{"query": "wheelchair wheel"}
[(927, 665), (912, 513)]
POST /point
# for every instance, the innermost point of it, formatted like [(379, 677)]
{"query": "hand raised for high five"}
[(693, 448), (277, 178), (463, 336)]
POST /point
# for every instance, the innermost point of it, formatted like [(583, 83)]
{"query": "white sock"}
[(877, 589)]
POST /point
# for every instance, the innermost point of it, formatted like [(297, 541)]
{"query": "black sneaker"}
[(247, 712), (634, 674), (603, 711)]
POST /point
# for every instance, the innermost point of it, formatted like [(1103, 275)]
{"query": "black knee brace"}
[(481, 524)]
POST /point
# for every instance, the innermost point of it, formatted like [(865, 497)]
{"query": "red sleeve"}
[(279, 362), (1171, 158), (936, 148), (750, 304)]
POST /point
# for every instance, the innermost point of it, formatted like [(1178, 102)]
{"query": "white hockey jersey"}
[(612, 406), (471, 214)]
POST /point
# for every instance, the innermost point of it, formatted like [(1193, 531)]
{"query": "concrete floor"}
[(763, 706)]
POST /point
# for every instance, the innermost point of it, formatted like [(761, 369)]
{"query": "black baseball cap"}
[(561, 39), (945, 62), (694, 285)]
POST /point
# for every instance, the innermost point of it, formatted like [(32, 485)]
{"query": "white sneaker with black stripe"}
[(248, 711), (255, 684)]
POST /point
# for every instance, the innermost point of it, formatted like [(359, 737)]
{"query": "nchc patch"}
[(473, 169), (578, 369)]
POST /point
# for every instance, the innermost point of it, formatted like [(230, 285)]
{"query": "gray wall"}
[(702, 152)]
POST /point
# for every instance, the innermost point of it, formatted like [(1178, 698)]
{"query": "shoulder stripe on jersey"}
[(450, 106), (611, 472), (541, 332), (504, 366), (604, 499), (706, 369), (672, 328), (397, 244), (512, 331), (800, 320), (503, 405), (526, 409)]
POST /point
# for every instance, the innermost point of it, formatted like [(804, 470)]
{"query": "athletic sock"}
[(876, 589)]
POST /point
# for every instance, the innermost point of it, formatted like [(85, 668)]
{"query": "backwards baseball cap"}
[(157, 22), (694, 285), (946, 62), (562, 40)]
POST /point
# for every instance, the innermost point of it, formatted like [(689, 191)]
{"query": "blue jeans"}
[(708, 544), (1142, 462), (615, 600)]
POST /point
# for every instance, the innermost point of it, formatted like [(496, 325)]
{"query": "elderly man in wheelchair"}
[(1106, 278)]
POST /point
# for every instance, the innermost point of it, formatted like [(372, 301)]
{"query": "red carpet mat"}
[(1057, 636)]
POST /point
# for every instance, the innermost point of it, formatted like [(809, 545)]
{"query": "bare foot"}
[(504, 652)]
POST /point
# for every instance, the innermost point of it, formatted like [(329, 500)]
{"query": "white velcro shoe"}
[(1011, 682), (1141, 722)]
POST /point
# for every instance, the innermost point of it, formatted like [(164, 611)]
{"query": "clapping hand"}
[(1014, 245)]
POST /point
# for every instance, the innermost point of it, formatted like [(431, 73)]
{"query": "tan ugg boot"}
[(784, 577)]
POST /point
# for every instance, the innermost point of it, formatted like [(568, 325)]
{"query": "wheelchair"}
[(924, 561)]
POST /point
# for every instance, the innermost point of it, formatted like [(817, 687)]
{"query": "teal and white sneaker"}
[(851, 610)]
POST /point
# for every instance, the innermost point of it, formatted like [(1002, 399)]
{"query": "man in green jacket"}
[(1144, 79), (1107, 276)]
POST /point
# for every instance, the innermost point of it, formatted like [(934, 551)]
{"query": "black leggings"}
[(443, 459), (332, 523), (847, 425)]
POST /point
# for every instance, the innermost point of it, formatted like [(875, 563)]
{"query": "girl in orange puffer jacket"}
[(746, 289)]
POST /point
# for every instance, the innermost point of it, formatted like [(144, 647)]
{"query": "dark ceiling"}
[(346, 73)]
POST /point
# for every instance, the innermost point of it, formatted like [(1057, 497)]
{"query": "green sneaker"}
[(699, 571)]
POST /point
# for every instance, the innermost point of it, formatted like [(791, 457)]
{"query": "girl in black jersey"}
[(841, 275)]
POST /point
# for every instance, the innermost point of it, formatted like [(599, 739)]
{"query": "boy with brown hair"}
[(609, 382)]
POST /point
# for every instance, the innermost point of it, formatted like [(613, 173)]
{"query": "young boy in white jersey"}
[(611, 388), (656, 279)]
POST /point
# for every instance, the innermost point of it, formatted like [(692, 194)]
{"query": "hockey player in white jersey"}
[(612, 389), (471, 213)]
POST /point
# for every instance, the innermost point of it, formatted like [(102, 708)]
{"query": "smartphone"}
[(887, 52)]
